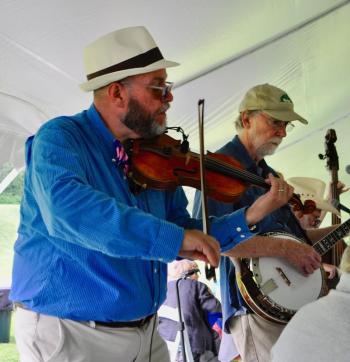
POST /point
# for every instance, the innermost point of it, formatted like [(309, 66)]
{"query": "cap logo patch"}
[(285, 98)]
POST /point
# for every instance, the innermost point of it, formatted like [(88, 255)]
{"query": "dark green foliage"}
[(13, 193)]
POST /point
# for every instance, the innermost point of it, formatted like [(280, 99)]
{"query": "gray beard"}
[(268, 149), (265, 151), (142, 122)]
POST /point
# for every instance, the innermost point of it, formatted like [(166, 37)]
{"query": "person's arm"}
[(207, 301), (301, 255), (74, 211), (232, 229)]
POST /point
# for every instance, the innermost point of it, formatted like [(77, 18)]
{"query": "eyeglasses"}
[(279, 125), (164, 90)]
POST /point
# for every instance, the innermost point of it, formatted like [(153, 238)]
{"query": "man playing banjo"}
[(266, 114)]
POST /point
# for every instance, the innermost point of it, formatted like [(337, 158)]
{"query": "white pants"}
[(43, 338), (254, 337)]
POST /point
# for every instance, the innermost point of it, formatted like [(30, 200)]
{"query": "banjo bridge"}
[(283, 276)]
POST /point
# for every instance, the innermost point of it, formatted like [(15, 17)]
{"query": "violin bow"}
[(209, 270)]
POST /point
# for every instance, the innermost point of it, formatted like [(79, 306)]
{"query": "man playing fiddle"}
[(91, 257), (266, 114)]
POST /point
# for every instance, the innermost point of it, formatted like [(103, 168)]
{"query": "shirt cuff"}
[(168, 243), (233, 229)]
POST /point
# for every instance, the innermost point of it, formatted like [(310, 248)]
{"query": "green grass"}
[(9, 216)]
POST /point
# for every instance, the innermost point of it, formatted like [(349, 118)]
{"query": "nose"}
[(281, 132), (168, 98)]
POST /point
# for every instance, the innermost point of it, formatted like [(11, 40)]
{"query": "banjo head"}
[(282, 289)]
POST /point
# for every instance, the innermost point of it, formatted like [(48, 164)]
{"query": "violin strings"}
[(248, 176), (230, 170)]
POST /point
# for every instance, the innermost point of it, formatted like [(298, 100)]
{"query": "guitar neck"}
[(325, 244)]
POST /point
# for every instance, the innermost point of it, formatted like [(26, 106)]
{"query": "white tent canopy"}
[(224, 48)]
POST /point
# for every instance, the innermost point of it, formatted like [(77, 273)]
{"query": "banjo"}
[(274, 289)]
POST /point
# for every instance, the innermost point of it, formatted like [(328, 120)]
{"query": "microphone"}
[(339, 206), (185, 145), (189, 273), (347, 169)]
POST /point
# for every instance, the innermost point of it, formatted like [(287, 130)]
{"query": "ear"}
[(117, 93), (245, 119)]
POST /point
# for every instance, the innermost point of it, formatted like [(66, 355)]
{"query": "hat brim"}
[(326, 206), (103, 80), (287, 116)]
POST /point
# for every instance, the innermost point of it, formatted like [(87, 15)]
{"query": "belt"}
[(130, 324), (20, 305)]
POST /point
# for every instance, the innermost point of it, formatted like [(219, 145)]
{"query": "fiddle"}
[(161, 163)]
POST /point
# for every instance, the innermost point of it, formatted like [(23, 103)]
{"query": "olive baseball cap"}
[(271, 100)]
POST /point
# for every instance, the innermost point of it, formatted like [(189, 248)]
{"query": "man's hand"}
[(330, 269), (197, 245), (341, 188), (278, 195), (301, 255)]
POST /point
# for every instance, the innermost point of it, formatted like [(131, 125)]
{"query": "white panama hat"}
[(309, 188), (120, 54)]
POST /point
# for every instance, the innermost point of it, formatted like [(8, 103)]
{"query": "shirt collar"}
[(99, 125), (244, 156), (262, 169)]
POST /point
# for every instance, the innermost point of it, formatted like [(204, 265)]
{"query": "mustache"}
[(163, 108), (277, 140)]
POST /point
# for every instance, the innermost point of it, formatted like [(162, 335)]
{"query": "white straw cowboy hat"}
[(120, 54), (271, 100), (309, 188)]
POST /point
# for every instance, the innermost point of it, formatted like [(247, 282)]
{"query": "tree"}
[(13, 193)]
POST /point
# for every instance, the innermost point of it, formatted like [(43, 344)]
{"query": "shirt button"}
[(155, 270), (242, 236), (161, 259), (155, 304), (239, 229)]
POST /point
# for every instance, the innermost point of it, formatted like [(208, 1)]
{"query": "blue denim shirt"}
[(87, 248), (280, 220)]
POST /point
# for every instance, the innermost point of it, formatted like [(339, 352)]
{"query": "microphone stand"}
[(181, 322)]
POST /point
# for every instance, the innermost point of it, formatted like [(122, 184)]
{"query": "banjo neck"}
[(326, 243)]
